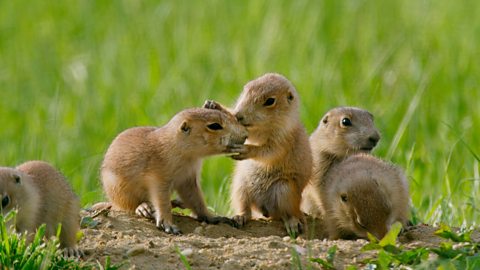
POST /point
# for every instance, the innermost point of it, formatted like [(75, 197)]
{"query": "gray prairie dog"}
[(144, 165), (343, 131), (364, 194), (276, 160), (41, 195)]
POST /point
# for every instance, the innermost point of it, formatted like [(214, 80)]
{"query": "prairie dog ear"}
[(212, 104), (325, 119), (290, 97), (185, 128), (17, 178)]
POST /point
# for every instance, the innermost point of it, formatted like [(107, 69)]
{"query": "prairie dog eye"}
[(215, 126), (5, 201), (344, 197), (346, 122), (269, 102)]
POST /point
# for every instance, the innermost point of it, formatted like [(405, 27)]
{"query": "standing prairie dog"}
[(41, 195), (343, 131), (143, 165), (276, 159), (364, 194)]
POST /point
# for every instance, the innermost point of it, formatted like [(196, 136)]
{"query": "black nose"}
[(374, 139)]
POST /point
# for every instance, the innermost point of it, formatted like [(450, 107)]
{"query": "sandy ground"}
[(261, 244)]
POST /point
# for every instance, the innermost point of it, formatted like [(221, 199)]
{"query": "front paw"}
[(239, 151), (294, 226), (240, 220), (73, 252), (168, 227)]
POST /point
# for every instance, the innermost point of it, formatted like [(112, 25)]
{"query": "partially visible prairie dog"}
[(42, 196), (144, 165), (277, 154), (343, 131), (364, 194)]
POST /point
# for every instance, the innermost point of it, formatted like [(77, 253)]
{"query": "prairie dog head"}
[(346, 130), (209, 130), (11, 188), (267, 103), (367, 195), (361, 207)]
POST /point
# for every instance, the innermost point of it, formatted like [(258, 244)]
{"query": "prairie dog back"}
[(144, 165), (364, 194), (42, 196)]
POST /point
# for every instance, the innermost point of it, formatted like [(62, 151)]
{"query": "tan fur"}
[(41, 195), (278, 159), (333, 141), (143, 165), (364, 194)]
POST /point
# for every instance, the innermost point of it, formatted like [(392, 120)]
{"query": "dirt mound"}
[(262, 244)]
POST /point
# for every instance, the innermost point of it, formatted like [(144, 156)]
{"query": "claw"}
[(293, 226), (240, 220), (145, 210)]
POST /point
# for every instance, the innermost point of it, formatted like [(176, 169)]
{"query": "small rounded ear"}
[(16, 177), (185, 128), (325, 119), (290, 97)]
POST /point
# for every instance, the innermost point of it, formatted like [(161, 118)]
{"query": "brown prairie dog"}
[(343, 131), (144, 165), (364, 194), (276, 158), (42, 196)]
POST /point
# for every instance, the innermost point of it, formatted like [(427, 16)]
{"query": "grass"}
[(18, 253), (73, 74)]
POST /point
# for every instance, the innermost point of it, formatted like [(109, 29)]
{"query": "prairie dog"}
[(364, 194), (343, 131), (143, 165), (276, 159), (41, 195)]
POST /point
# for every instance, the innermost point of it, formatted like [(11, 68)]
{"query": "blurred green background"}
[(73, 74)]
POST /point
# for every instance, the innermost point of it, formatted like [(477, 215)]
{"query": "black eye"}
[(344, 197), (346, 122), (5, 201), (269, 102), (215, 126), (17, 178)]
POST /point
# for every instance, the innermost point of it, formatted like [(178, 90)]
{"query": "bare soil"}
[(261, 244)]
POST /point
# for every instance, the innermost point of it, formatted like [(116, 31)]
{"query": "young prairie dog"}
[(343, 131), (143, 165), (41, 195), (276, 159), (364, 194)]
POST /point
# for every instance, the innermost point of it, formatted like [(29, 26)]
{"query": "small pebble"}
[(286, 239), (275, 245), (109, 225), (198, 230), (187, 252), (300, 250), (135, 251)]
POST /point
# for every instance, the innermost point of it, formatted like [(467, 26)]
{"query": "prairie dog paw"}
[(241, 220), (168, 227), (294, 226), (145, 210)]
